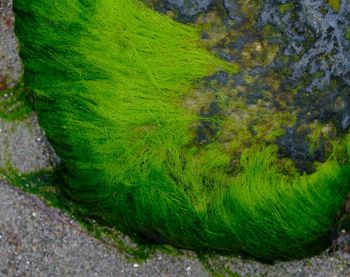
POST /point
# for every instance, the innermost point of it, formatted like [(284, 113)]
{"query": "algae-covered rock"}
[(189, 8), (185, 10), (236, 141), (295, 69)]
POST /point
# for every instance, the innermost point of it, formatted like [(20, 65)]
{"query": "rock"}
[(235, 16), (315, 41), (220, 78), (293, 144), (188, 9), (205, 35), (253, 98), (226, 56)]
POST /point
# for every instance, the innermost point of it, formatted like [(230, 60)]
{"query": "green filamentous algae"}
[(110, 80)]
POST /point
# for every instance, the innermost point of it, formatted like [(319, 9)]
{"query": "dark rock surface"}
[(317, 52), (234, 15), (186, 10)]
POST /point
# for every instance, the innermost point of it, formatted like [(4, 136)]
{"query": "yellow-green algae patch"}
[(335, 4)]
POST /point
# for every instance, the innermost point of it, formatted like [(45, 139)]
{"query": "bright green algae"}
[(108, 79)]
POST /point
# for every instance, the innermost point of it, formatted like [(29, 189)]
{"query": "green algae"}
[(335, 4), (286, 7), (15, 103)]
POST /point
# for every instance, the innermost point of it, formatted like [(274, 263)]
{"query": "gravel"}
[(35, 243)]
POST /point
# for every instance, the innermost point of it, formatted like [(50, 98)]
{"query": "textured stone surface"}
[(317, 50), (10, 65), (185, 10), (25, 145), (189, 8)]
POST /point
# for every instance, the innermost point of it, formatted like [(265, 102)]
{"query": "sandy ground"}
[(36, 240)]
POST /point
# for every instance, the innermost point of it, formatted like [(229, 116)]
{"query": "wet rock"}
[(343, 242), (254, 97), (221, 78), (314, 57), (293, 144), (237, 45), (205, 132), (209, 125), (205, 35), (226, 56), (214, 109), (318, 51), (340, 235), (326, 106), (238, 79), (344, 120), (188, 9), (235, 17), (257, 71)]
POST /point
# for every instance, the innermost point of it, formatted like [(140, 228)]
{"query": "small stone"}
[(221, 78), (205, 35), (227, 57)]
